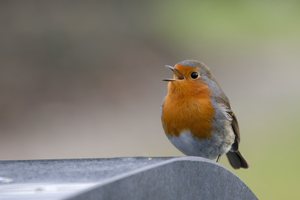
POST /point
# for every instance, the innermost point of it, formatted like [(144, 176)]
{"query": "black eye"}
[(194, 75)]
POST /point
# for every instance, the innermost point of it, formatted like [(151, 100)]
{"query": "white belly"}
[(219, 144)]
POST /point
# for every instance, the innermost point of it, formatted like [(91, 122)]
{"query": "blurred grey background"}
[(83, 79)]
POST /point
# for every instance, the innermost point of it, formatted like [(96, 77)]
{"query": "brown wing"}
[(234, 123), (236, 131), (222, 99)]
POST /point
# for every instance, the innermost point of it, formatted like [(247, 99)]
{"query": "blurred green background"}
[(83, 79)]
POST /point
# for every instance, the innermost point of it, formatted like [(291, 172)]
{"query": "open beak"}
[(179, 75)]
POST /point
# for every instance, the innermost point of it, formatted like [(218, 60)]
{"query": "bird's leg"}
[(218, 158)]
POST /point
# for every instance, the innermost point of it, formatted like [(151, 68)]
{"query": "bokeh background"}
[(83, 79)]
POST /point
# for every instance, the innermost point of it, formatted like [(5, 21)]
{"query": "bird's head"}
[(188, 76)]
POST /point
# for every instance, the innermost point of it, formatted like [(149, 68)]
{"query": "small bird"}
[(197, 117)]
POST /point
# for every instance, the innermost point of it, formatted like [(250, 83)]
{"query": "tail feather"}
[(236, 160)]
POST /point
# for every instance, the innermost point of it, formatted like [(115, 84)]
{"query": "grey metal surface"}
[(119, 178)]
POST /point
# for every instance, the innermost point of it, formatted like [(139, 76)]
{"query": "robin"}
[(197, 117)]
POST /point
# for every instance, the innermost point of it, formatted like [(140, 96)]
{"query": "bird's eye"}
[(194, 75)]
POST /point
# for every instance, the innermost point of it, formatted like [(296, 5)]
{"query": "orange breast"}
[(191, 110)]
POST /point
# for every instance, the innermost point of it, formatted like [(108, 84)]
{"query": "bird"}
[(197, 117)]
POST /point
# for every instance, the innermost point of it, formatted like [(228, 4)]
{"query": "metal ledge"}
[(120, 178)]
